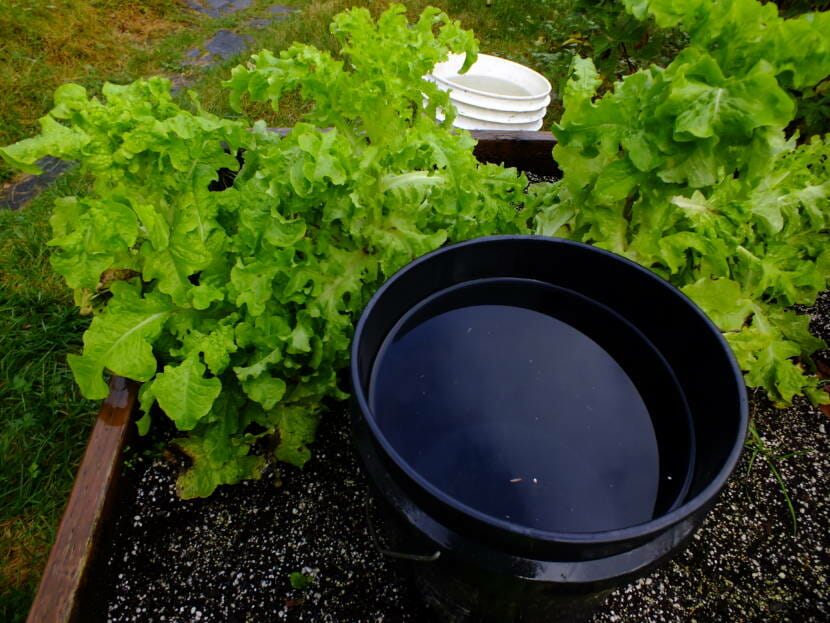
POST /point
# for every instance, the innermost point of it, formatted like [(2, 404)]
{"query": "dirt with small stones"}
[(227, 559), (747, 562)]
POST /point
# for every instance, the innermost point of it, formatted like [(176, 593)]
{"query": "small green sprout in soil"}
[(300, 580)]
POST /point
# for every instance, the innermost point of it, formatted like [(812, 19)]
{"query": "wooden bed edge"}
[(58, 595), (525, 150)]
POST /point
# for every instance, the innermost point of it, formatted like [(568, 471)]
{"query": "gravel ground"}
[(228, 558)]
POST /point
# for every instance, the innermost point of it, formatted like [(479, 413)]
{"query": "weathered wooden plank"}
[(527, 151), (823, 368), (89, 505)]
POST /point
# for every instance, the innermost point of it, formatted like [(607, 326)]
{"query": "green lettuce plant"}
[(235, 307), (688, 170)]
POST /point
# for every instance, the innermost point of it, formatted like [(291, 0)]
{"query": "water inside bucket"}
[(490, 84), (523, 401)]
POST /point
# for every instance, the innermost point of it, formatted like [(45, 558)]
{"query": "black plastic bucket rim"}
[(638, 532)]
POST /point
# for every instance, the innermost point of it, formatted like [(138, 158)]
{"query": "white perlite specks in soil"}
[(227, 559), (745, 563)]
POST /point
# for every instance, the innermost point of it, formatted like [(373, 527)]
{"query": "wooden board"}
[(89, 506), (527, 151), (59, 598)]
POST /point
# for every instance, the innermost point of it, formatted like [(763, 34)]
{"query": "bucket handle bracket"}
[(391, 553)]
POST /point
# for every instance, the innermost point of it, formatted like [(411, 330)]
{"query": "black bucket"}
[(544, 421)]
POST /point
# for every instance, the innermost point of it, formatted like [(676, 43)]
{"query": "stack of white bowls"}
[(494, 94)]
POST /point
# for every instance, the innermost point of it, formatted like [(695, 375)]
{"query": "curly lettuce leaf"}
[(217, 460), (740, 33), (297, 427), (687, 170), (120, 339), (184, 393)]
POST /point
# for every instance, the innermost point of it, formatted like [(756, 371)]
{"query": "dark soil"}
[(747, 562), (228, 558)]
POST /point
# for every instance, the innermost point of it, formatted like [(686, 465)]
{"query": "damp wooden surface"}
[(527, 151), (89, 508)]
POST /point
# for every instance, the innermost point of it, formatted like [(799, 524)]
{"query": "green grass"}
[(755, 444), (89, 42), (44, 422)]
